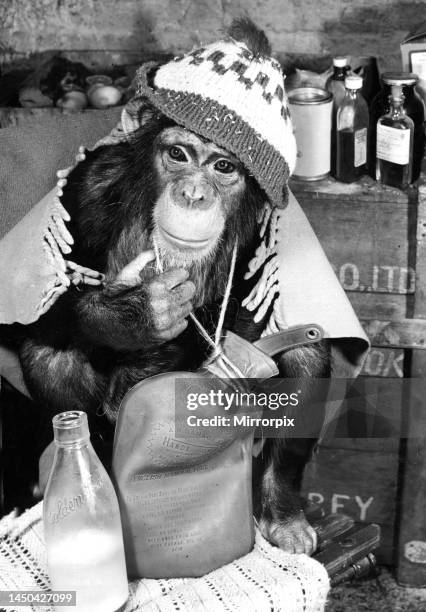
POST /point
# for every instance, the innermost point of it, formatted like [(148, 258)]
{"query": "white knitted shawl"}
[(265, 579)]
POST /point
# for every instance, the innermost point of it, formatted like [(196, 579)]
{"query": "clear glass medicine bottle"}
[(414, 108), (394, 145)]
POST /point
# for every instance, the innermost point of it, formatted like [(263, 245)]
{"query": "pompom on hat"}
[(230, 92)]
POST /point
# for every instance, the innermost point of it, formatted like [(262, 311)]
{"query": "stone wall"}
[(318, 27)]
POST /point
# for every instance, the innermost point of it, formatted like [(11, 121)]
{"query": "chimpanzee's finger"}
[(286, 542), (296, 537), (184, 292), (160, 305), (311, 546), (265, 529), (85, 271), (173, 278), (163, 284), (166, 319), (129, 275), (279, 535), (180, 312), (87, 280), (298, 546), (173, 332)]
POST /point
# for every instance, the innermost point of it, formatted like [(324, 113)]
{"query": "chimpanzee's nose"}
[(193, 194)]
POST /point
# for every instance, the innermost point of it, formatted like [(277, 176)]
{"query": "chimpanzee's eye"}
[(177, 154), (224, 166)]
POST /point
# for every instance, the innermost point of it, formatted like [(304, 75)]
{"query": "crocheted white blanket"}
[(267, 579)]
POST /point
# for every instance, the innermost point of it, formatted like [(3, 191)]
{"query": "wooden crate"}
[(374, 237)]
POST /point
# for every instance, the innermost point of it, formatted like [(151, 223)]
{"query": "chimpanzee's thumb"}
[(130, 274)]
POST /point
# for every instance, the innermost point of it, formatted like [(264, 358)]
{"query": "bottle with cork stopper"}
[(335, 84), (351, 132), (414, 109), (394, 146)]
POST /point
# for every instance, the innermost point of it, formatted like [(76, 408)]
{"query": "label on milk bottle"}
[(360, 144), (393, 144)]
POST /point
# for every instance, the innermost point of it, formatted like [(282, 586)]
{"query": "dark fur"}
[(85, 353), (110, 197), (80, 354), (275, 496)]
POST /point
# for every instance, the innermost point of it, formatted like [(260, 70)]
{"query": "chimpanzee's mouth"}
[(184, 242)]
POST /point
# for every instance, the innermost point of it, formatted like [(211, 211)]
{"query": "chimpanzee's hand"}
[(133, 314), (169, 300), (168, 296), (294, 535)]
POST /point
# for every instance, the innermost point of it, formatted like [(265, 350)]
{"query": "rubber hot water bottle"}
[(185, 492)]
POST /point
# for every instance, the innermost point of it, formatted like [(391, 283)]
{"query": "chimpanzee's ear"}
[(137, 113), (129, 122)]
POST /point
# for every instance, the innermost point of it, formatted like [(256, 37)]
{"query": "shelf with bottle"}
[(348, 143)]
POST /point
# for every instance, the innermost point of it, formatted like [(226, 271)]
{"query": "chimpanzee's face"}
[(200, 185)]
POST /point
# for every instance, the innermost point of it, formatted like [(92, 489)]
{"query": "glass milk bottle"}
[(351, 135), (394, 149), (82, 526)]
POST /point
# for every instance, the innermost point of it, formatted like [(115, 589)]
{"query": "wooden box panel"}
[(368, 233), (411, 567), (339, 482), (364, 230), (359, 476)]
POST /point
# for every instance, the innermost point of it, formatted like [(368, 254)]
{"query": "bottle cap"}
[(400, 78), (308, 95), (353, 82), (70, 427), (340, 61), (396, 92)]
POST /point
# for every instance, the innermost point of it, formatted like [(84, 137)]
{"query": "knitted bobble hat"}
[(232, 93)]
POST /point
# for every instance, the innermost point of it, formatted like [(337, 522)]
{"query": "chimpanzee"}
[(168, 187)]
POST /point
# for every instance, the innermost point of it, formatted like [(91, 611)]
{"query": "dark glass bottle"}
[(335, 84), (414, 108), (369, 72), (351, 132), (394, 147)]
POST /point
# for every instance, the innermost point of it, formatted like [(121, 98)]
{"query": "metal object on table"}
[(361, 569), (345, 547)]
